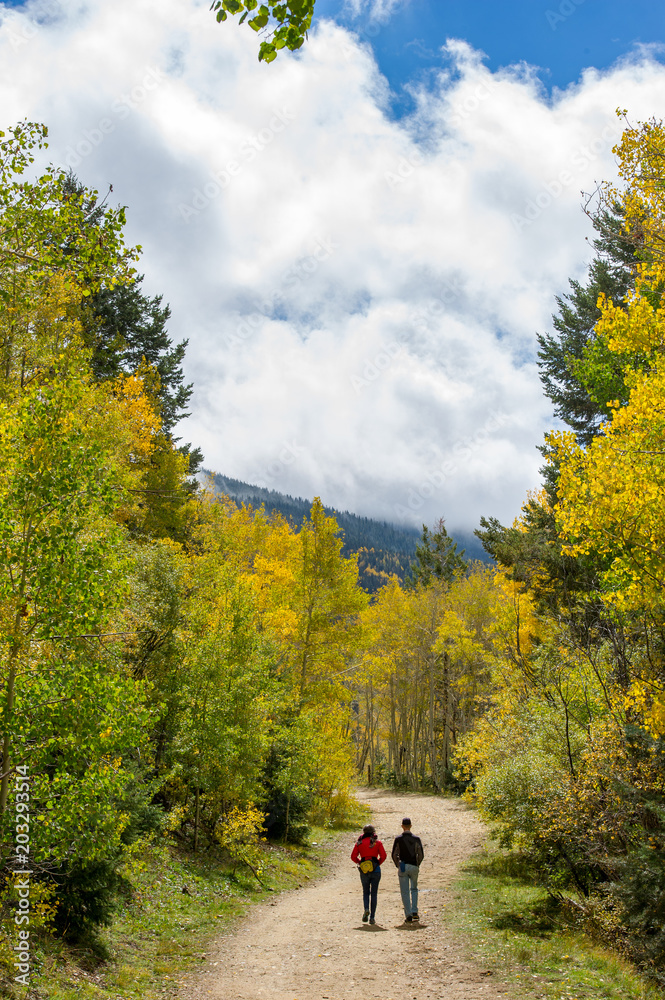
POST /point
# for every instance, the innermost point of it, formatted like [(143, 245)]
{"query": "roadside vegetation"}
[(177, 905), (540, 947)]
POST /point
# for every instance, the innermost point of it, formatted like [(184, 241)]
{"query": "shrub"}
[(86, 896), (278, 807), (642, 893)]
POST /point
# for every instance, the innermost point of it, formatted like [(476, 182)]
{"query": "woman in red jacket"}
[(369, 854)]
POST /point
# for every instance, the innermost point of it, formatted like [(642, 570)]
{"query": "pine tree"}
[(580, 375), (562, 354), (436, 556), (126, 329), (123, 327)]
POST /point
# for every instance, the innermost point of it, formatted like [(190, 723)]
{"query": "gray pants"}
[(408, 886)]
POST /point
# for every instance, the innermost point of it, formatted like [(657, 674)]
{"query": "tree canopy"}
[(283, 22), (437, 557)]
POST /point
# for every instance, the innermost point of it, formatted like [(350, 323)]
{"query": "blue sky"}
[(560, 38)]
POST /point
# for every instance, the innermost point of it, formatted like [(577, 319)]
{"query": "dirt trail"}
[(310, 944)]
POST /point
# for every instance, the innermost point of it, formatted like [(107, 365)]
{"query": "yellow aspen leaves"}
[(641, 155), (612, 498)]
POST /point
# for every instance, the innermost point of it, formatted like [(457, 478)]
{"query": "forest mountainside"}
[(383, 548)]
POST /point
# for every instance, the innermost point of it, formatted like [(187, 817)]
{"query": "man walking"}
[(407, 853)]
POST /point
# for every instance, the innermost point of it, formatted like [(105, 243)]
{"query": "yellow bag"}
[(367, 866)]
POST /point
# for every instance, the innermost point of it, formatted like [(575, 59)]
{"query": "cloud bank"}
[(361, 295)]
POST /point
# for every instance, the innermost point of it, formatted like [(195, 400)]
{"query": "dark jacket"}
[(407, 848)]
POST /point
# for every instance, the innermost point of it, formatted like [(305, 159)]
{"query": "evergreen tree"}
[(125, 328), (567, 377), (580, 375), (436, 556)]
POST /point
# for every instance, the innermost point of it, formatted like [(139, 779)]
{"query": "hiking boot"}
[(372, 920), (365, 916), (407, 920), (414, 916)]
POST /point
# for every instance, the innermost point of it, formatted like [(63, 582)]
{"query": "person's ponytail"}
[(368, 831)]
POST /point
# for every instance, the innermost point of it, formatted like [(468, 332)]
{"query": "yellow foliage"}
[(611, 498), (41, 333), (240, 834), (649, 700), (641, 154), (335, 770), (134, 413), (611, 494)]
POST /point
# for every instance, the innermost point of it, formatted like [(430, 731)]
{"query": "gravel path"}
[(310, 944)]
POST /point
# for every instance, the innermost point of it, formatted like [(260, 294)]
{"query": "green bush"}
[(86, 896), (276, 812), (641, 891)]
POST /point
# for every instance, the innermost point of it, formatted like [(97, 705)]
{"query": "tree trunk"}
[(288, 810), (14, 653), (432, 741), (196, 819)]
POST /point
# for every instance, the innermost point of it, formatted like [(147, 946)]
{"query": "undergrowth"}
[(528, 939), (180, 904)]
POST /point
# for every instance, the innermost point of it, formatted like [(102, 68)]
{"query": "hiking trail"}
[(310, 943)]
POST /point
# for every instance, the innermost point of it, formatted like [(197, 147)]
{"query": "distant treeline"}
[(383, 549)]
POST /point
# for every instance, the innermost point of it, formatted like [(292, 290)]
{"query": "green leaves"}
[(288, 21), (437, 556), (261, 19), (48, 226), (267, 52), (67, 706)]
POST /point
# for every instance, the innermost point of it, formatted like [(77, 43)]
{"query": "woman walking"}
[(369, 854)]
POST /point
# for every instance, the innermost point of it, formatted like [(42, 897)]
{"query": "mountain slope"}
[(383, 548)]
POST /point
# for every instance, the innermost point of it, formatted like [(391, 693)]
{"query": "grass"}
[(181, 903), (522, 935)]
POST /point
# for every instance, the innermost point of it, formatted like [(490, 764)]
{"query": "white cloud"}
[(374, 10), (361, 295)]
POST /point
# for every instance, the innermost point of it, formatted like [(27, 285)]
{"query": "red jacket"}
[(367, 849)]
